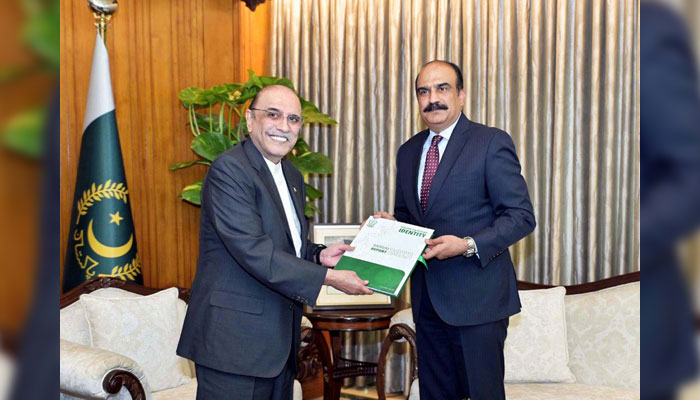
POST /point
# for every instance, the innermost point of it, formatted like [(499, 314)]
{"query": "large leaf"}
[(247, 94), (312, 193), (42, 29), (273, 80), (313, 163), (301, 147), (312, 115), (186, 164), (203, 121), (24, 133), (253, 80), (211, 97), (210, 144), (192, 193), (310, 209), (192, 96)]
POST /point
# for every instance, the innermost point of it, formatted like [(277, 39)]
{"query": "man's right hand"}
[(379, 214), (347, 282)]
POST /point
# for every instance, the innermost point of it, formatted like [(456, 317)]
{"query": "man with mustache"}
[(462, 179), (256, 267)]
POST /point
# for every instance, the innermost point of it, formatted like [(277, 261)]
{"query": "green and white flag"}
[(101, 241)]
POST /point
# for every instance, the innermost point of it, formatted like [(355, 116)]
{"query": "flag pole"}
[(102, 10)]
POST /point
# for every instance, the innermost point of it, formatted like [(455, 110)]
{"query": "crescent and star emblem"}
[(104, 250)]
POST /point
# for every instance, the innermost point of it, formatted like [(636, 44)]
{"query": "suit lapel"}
[(296, 191), (265, 176), (410, 183), (452, 152)]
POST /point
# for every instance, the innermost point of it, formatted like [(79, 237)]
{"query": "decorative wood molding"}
[(115, 380), (308, 359), (90, 286), (587, 287)]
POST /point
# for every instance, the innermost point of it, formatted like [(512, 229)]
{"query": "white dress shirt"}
[(287, 204)]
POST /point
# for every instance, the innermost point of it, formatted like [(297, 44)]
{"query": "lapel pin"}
[(295, 189)]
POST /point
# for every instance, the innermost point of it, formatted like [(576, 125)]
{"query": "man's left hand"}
[(445, 246), (330, 256)]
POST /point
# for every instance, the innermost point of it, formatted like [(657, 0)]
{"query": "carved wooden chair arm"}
[(95, 373), (396, 332)]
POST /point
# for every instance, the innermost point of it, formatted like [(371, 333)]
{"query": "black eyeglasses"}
[(276, 116)]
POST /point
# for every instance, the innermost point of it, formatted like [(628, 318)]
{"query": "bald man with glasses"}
[(256, 266)]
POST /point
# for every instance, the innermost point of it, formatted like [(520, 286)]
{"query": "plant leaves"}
[(312, 115), (210, 144), (203, 120), (192, 96), (313, 163), (312, 193), (310, 209), (186, 164), (301, 147), (273, 80), (192, 193), (254, 79), (24, 133), (247, 94), (41, 32)]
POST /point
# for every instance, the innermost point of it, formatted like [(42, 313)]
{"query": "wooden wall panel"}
[(156, 48)]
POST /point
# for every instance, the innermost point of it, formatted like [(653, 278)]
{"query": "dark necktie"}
[(432, 159)]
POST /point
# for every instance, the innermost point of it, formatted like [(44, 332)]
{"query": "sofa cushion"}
[(536, 346), (554, 391), (143, 328), (184, 392), (74, 328), (567, 391), (604, 336)]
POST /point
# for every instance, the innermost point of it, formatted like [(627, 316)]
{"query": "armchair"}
[(93, 373)]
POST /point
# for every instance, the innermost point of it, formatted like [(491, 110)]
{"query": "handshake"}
[(350, 283)]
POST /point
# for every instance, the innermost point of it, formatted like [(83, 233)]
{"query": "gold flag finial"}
[(102, 11)]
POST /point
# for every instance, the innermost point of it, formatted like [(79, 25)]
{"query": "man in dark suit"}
[(256, 267), (669, 198), (462, 179)]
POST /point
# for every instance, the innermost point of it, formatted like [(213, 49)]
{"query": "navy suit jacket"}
[(244, 313), (669, 197), (477, 191)]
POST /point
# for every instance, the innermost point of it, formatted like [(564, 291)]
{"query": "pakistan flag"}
[(101, 240)]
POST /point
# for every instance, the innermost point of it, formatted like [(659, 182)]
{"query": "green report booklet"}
[(385, 254)]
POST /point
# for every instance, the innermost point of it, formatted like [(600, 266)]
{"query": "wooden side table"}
[(335, 368)]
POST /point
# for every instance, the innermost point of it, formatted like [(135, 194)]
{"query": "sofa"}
[(89, 372), (601, 353)]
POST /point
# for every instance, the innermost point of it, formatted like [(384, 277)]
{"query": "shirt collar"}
[(275, 169), (447, 132)]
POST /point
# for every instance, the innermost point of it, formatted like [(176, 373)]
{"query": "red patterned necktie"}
[(432, 159)]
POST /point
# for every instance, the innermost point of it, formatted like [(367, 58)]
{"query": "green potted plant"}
[(222, 125)]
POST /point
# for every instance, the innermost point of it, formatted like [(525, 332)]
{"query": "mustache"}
[(434, 106)]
